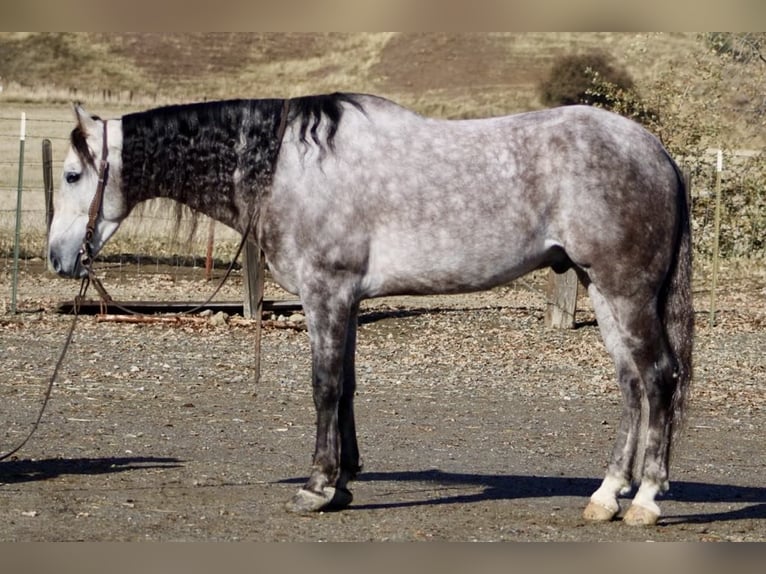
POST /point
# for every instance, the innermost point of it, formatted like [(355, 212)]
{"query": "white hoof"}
[(595, 512), (640, 516), (330, 498)]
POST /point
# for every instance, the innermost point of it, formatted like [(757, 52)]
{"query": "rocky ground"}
[(475, 422)]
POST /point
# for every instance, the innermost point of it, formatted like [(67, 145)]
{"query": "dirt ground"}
[(475, 423)]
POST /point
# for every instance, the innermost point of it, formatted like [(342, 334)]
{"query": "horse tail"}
[(678, 312)]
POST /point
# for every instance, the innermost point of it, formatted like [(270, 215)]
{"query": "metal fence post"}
[(18, 213), (717, 233)]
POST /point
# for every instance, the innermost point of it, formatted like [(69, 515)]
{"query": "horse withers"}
[(352, 196)]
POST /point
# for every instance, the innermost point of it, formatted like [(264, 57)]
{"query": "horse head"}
[(87, 212)]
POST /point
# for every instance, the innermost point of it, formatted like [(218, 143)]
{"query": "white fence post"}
[(716, 235), (15, 281)]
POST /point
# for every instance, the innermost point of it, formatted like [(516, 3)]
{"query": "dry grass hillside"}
[(705, 101), (452, 75)]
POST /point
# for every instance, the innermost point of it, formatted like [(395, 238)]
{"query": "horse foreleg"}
[(350, 464), (327, 323)]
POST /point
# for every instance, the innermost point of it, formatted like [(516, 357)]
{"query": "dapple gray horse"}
[(352, 196)]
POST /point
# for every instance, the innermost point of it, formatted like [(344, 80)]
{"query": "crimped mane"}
[(311, 110), (156, 139)]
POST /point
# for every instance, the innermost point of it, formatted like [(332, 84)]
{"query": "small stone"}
[(219, 319)]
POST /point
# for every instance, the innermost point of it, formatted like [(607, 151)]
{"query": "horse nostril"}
[(55, 263)]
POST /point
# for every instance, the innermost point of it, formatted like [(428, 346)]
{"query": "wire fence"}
[(151, 241), (153, 249), (152, 234)]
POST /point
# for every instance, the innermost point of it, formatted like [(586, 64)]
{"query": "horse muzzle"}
[(66, 266)]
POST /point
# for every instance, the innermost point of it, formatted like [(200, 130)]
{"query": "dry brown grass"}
[(447, 75), (418, 67)]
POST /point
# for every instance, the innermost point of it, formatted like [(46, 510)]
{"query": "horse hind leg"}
[(603, 505), (635, 338), (660, 382)]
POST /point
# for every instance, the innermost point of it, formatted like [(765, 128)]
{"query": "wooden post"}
[(254, 269), (48, 184), (209, 250), (561, 299)]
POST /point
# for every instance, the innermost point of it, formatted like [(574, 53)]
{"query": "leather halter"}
[(86, 251)]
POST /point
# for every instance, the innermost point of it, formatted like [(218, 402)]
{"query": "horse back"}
[(424, 205)]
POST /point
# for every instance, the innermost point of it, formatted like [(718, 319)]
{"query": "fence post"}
[(716, 235), (253, 272), (561, 299), (18, 213), (209, 250), (48, 187)]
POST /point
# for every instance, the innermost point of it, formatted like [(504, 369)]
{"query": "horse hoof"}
[(640, 516), (595, 512), (330, 498)]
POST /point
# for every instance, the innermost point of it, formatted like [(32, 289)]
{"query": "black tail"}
[(678, 315)]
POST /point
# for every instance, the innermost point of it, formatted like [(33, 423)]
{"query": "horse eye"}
[(72, 177)]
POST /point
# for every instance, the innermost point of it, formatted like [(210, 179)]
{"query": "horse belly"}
[(431, 265)]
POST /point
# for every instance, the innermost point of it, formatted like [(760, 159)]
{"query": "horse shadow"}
[(750, 501), (20, 471), (373, 316)]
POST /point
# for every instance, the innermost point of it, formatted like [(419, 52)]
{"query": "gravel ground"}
[(475, 422)]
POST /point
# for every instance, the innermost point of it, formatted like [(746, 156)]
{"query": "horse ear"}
[(85, 121)]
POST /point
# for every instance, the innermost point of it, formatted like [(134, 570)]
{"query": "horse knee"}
[(660, 385)]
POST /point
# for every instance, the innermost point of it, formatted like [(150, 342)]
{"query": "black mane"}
[(192, 152), (217, 156), (311, 110)]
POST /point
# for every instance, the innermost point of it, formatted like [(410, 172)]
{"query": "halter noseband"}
[(86, 251)]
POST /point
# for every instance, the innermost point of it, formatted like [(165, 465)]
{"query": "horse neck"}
[(216, 158)]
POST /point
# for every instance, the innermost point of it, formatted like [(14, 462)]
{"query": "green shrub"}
[(570, 79)]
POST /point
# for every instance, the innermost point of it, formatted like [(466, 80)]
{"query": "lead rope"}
[(56, 369), (107, 300), (86, 260)]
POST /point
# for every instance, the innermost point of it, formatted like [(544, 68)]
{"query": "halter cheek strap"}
[(86, 251)]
